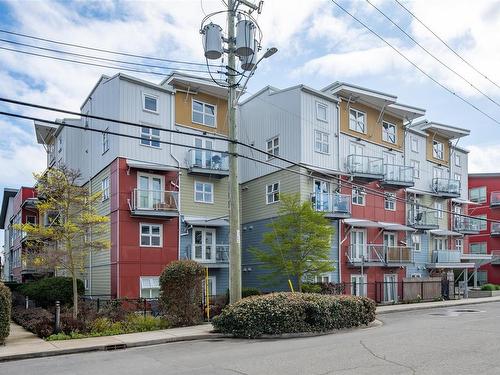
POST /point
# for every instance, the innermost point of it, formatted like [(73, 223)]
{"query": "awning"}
[(396, 226), (449, 265), (362, 223), (152, 166), (206, 222), (445, 232), (463, 201)]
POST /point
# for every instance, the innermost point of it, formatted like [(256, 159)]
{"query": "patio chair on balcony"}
[(216, 162), (419, 217)]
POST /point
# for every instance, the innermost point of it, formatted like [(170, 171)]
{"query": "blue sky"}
[(317, 43)]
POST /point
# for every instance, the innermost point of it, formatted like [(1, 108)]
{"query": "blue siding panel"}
[(421, 258)]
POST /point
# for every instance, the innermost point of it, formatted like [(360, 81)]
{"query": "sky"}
[(317, 45)]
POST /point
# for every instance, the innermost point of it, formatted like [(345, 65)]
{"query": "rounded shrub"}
[(248, 292), (51, 289), (281, 313), (5, 307), (181, 292)]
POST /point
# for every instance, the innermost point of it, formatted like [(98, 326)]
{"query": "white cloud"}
[(484, 158)]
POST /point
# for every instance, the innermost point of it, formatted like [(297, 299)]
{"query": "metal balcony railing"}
[(446, 186), (209, 160), (495, 229), (398, 174), (465, 224), (208, 253), (332, 203), (446, 256), (154, 200), (365, 165), (422, 219), (382, 254), (495, 199)]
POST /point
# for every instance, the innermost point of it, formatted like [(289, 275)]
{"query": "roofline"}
[(258, 93), (408, 108), (339, 84), (7, 194), (491, 174), (460, 149)]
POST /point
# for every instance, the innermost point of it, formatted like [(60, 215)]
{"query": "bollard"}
[(145, 306), (27, 303), (58, 317), (98, 304)]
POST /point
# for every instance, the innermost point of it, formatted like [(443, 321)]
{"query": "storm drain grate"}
[(115, 347)]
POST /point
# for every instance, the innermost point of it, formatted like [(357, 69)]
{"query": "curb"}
[(415, 307)]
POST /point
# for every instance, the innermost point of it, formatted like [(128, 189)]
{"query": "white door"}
[(203, 158), (389, 165), (390, 288), (204, 244), (150, 191), (358, 244), (389, 242), (358, 285), (457, 219), (357, 151), (211, 288), (322, 194)]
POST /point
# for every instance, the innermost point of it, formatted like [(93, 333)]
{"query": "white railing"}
[(208, 253), (331, 203), (465, 224), (205, 159), (154, 200), (446, 256)]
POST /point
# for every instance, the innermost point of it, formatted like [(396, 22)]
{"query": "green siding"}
[(429, 200)]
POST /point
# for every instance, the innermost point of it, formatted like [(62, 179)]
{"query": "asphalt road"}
[(435, 341)]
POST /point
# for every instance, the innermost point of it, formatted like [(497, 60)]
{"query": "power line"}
[(100, 49), (415, 65), (446, 44), (434, 56)]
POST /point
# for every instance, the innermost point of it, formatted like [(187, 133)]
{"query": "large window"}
[(151, 235), (438, 150), (273, 193), (357, 121), (150, 137), (105, 141), (321, 142), (273, 147), (438, 206), (478, 248), (358, 285), (478, 194), (459, 244), (105, 189), (150, 103), (390, 201), (204, 244), (150, 286), (204, 113), (203, 192), (415, 164), (321, 111), (388, 132), (482, 223), (358, 196)]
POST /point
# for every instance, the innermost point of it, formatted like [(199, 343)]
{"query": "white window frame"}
[(105, 191), (203, 245), (323, 142), (204, 192), (274, 149), (147, 137), (359, 280), (390, 202), (356, 113), (203, 113), (416, 275), (458, 177), (415, 164), (34, 221), (461, 246), (438, 207), (321, 106), (437, 150), (321, 279), (150, 288), (105, 141), (416, 238), (386, 133), (414, 144), (274, 194), (150, 235), (149, 96), (479, 189), (458, 160), (358, 195)]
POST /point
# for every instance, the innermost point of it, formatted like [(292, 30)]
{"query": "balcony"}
[(495, 199), (206, 254), (423, 220), (154, 203), (446, 187), (379, 255), (397, 176), (495, 230), (446, 256), (465, 225), (332, 205), (365, 168), (203, 162)]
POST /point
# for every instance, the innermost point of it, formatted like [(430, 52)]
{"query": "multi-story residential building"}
[(165, 202), (484, 191), (6, 214)]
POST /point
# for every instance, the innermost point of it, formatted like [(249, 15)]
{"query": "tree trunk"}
[(299, 283), (75, 296)]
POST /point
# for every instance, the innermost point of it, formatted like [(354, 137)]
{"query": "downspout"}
[(340, 222)]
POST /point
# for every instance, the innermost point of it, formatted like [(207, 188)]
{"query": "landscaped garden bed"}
[(487, 290)]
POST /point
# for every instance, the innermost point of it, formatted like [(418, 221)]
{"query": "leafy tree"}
[(69, 226), (298, 243)]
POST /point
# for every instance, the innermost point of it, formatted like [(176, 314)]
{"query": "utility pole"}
[(234, 193)]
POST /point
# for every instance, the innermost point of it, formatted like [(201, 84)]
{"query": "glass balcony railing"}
[(209, 160), (465, 225), (446, 256), (398, 174), (158, 201), (208, 253), (446, 186), (365, 165), (495, 199), (381, 254), (422, 219), (333, 204)]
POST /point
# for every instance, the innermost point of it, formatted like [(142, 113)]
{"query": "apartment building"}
[(484, 191)]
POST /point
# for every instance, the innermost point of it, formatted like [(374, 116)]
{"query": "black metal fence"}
[(100, 303)]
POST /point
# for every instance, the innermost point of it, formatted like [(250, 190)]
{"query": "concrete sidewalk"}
[(22, 344)]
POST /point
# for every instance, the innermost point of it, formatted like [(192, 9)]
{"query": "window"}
[(416, 241), (322, 279), (438, 150), (458, 160), (388, 132), (150, 137), (60, 143), (358, 285), (31, 219), (415, 164), (321, 111), (459, 244), (105, 189), (478, 248), (357, 121), (358, 196), (105, 141), (438, 206), (478, 194), (416, 275), (437, 173), (150, 103), (482, 223), (273, 147), (203, 113), (321, 142), (204, 244), (203, 192), (414, 144), (273, 193), (390, 201), (151, 235), (457, 176), (150, 286)]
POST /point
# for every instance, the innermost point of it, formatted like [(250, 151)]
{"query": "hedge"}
[(280, 313), (490, 287), (5, 307), (36, 320), (51, 289)]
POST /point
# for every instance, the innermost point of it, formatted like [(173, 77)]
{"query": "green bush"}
[(36, 320), (12, 285), (497, 287), (181, 294), (5, 307), (311, 288), (280, 313), (247, 292), (51, 289), (489, 287)]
